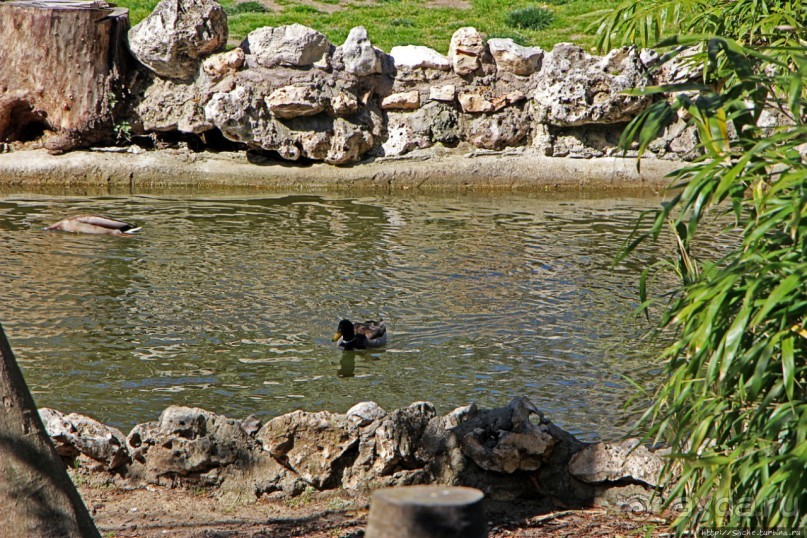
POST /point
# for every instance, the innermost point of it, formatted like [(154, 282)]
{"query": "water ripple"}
[(229, 303)]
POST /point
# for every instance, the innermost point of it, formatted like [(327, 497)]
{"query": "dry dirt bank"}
[(455, 171), (156, 512)]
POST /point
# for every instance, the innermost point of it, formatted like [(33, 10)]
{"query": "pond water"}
[(229, 302)]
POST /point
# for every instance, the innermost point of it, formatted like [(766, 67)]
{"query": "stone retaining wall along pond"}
[(510, 453), (288, 94), (290, 91)]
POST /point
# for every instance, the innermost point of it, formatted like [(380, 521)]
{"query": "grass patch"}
[(529, 18), (303, 9), (406, 23), (414, 22), (245, 7)]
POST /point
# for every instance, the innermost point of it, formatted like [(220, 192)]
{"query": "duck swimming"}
[(94, 224), (369, 334)]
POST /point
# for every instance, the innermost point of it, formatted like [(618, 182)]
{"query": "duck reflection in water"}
[(347, 365)]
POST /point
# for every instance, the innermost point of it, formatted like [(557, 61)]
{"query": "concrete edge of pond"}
[(489, 171)]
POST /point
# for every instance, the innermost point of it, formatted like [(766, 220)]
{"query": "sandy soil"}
[(200, 513)]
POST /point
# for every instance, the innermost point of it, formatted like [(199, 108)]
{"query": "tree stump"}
[(426, 512), (61, 68)]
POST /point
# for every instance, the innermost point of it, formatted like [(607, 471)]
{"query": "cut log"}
[(61, 68), (426, 512)]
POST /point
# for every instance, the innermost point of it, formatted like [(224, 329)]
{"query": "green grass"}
[(245, 7), (412, 22), (530, 18)]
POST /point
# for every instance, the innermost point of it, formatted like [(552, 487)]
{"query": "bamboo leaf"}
[(788, 365), (778, 294)]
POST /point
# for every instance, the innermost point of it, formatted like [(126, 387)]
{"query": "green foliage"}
[(402, 22), (734, 403), (533, 18), (303, 9), (750, 22), (431, 25), (123, 132), (245, 7)]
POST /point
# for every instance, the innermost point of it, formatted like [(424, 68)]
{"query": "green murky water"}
[(228, 303)]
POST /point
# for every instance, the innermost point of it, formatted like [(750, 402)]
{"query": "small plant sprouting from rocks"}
[(339, 505), (123, 132), (303, 499), (530, 18)]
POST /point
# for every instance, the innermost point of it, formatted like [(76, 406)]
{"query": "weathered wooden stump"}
[(426, 512), (61, 63)]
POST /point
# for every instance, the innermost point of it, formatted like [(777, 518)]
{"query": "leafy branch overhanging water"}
[(732, 405)]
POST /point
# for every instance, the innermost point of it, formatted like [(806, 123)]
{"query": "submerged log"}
[(61, 67)]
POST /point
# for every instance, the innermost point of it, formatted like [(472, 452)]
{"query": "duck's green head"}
[(344, 331)]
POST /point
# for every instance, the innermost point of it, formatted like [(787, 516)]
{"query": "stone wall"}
[(289, 91), (510, 453)]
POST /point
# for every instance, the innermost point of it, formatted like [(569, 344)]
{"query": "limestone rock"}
[(466, 50), (612, 462), (387, 450), (251, 425), (313, 445), (419, 57), (477, 102), (344, 104), (295, 101), (187, 441), (242, 115), (407, 131), (401, 101), (364, 413), (349, 142), (575, 88), (294, 45), (445, 93), (177, 35), (169, 105), (511, 452), (263, 475), (404, 134), (358, 54), (225, 63), (585, 142), (76, 434), (507, 127), (397, 438), (232, 113), (513, 58), (508, 442), (460, 415), (679, 139), (474, 102), (321, 138)]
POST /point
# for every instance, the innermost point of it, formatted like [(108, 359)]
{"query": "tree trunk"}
[(36, 494), (61, 65)]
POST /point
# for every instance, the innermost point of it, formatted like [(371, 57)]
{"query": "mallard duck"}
[(94, 224), (357, 335)]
